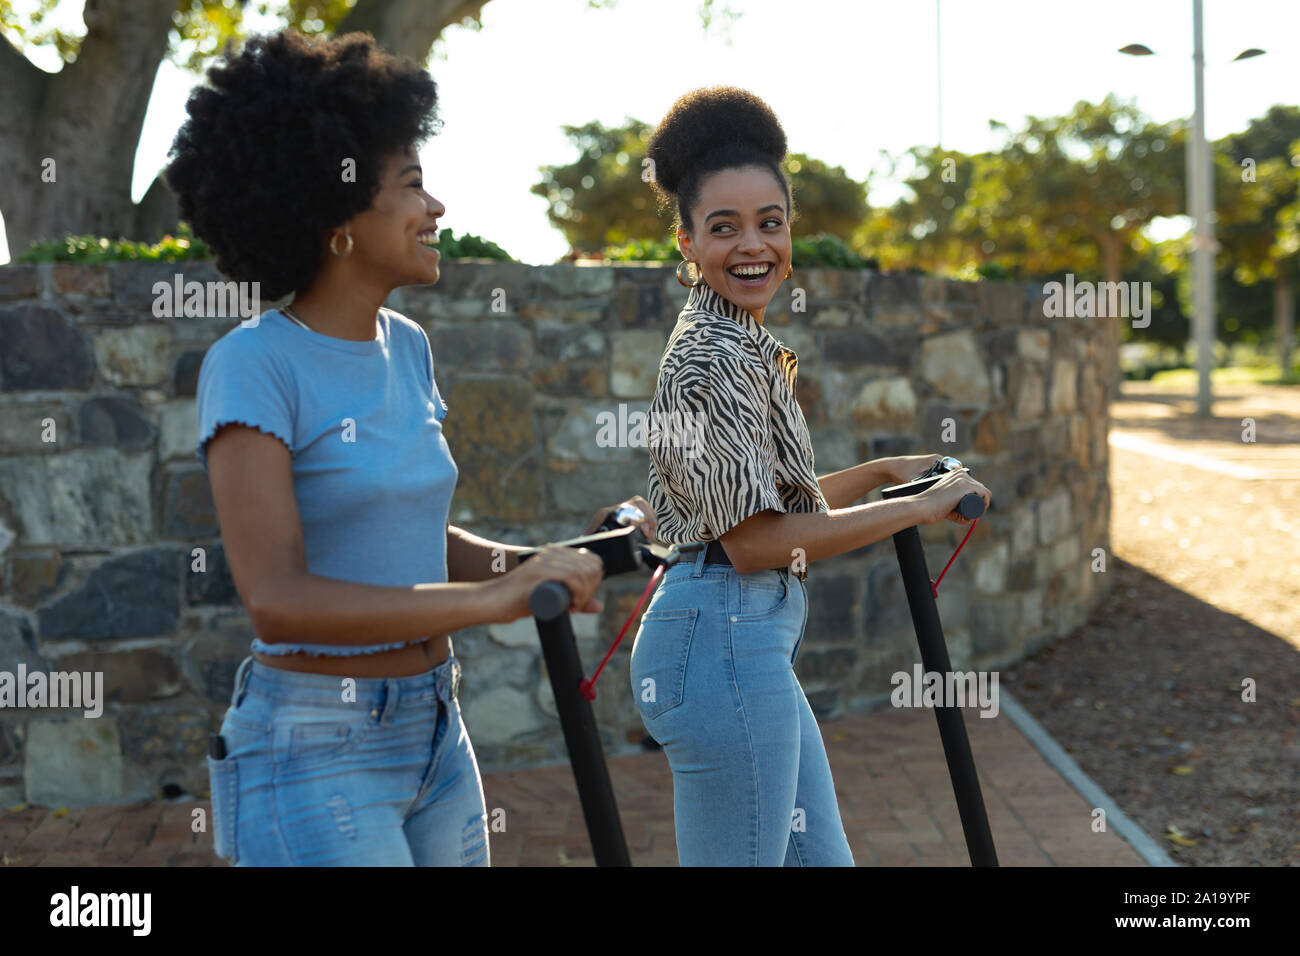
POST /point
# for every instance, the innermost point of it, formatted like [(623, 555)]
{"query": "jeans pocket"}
[(658, 666), (223, 777), (763, 594)]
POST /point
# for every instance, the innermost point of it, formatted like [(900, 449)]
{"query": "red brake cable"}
[(588, 687), (934, 585)]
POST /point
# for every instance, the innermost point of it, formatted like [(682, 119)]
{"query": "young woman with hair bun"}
[(712, 668)]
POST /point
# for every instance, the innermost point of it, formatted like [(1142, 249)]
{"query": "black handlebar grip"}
[(549, 600), (970, 506)]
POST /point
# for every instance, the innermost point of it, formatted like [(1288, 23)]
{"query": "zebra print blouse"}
[(727, 438)]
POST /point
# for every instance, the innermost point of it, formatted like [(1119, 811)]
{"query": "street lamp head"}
[(1137, 49)]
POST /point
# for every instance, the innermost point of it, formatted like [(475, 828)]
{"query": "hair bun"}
[(706, 119)]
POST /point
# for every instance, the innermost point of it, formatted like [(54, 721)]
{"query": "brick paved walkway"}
[(890, 774)]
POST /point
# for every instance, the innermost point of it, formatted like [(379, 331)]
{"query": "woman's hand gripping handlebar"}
[(615, 551), (578, 571), (946, 490)]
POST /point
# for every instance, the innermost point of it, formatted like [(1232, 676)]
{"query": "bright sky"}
[(847, 79)]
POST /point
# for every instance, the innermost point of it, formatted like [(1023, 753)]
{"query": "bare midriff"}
[(415, 658)]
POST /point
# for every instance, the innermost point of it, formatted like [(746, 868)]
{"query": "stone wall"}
[(105, 512)]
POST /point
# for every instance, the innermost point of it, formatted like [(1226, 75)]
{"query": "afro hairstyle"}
[(258, 166), (708, 130)]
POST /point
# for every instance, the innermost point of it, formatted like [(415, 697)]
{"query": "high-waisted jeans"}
[(712, 672), (329, 771)]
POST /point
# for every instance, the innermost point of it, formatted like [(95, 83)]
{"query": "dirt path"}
[(1217, 517), (1148, 697)]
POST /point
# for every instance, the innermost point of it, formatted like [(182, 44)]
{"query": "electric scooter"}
[(622, 548), (921, 594)]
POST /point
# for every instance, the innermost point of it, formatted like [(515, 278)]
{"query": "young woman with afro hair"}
[(320, 428), (712, 667)]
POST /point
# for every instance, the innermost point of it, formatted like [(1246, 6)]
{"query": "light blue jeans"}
[(712, 672), (318, 773)]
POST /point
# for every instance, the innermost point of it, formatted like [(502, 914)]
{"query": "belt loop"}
[(241, 682), (446, 682), (392, 694), (699, 561)]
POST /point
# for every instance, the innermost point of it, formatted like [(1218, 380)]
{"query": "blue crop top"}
[(372, 472)]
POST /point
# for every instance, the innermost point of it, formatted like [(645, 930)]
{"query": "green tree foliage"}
[(807, 252), (200, 28), (827, 200), (601, 198), (604, 197), (1067, 193), (1073, 192), (921, 231), (90, 249), (1256, 195), (185, 245)]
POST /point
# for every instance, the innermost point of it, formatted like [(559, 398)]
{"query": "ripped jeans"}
[(320, 773)]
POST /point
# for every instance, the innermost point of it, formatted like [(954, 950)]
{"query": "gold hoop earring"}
[(789, 272), (347, 250), (689, 285)]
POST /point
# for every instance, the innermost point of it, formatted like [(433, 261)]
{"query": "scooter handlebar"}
[(970, 506), (549, 600), (620, 550)]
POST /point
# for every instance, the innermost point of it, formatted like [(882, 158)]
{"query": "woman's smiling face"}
[(387, 235), (741, 236)]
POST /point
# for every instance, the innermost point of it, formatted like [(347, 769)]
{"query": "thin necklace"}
[(288, 310)]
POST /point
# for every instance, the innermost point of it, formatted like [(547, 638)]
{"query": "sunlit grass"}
[(1262, 374)]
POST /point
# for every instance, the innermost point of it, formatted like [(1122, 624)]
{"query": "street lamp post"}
[(938, 76), (1203, 243), (1200, 203)]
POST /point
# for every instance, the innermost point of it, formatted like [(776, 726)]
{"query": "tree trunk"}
[(87, 118), (1284, 313), (70, 137), (407, 27)]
